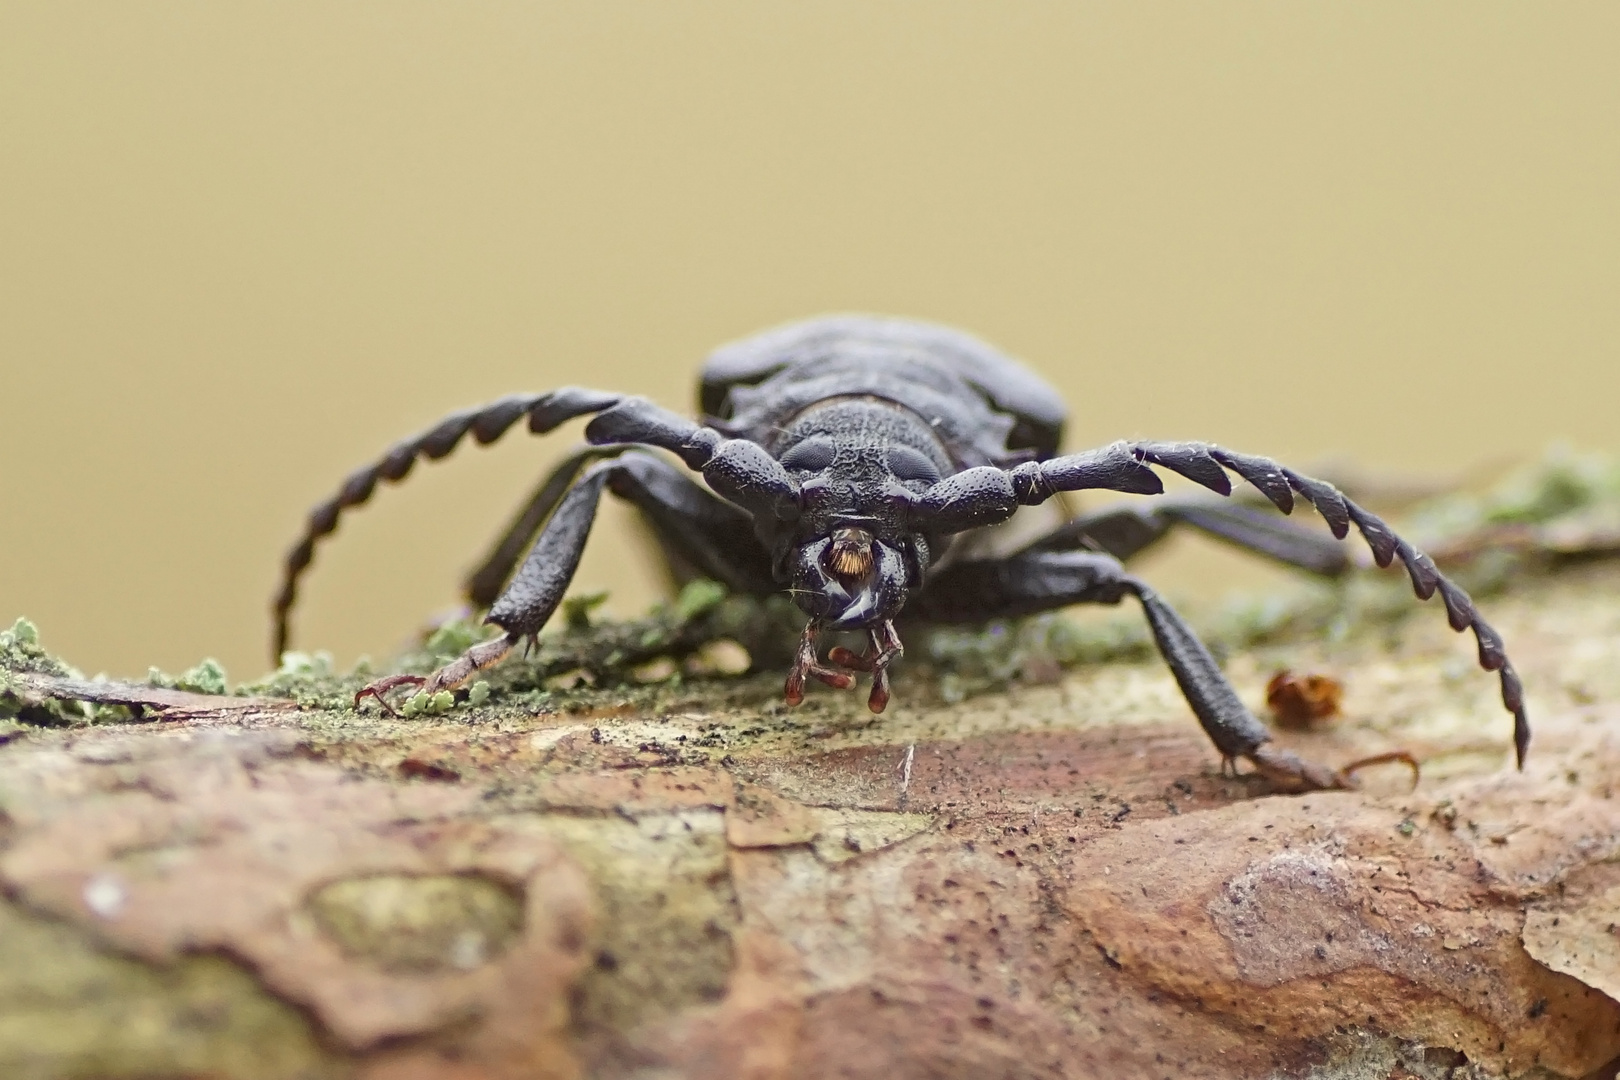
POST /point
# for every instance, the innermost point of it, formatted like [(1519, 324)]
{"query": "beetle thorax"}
[(856, 460)]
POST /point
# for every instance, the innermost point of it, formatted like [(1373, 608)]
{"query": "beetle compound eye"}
[(910, 465), (811, 455)]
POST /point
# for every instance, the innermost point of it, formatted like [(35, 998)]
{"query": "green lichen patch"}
[(404, 922), (20, 650), (969, 661), (576, 610), (581, 664), (698, 598), (433, 704), (1560, 484), (207, 677), (69, 1011), (311, 680), (669, 911)]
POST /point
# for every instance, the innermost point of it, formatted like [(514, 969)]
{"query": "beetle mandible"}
[(855, 462)]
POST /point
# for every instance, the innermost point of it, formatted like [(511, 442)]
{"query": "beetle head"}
[(853, 557), (852, 579)]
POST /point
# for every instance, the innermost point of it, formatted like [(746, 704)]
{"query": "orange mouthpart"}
[(850, 556)]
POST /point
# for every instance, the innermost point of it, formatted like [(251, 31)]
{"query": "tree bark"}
[(1050, 881)]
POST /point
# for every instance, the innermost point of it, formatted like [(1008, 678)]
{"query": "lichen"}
[(669, 912), (601, 656), (20, 650), (69, 1010), (1562, 482), (576, 610), (1359, 1054), (433, 704), (311, 680), (207, 677), (454, 637), (698, 598), (971, 660), (420, 923)]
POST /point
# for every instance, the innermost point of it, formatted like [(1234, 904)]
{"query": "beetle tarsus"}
[(379, 689), (480, 656), (1294, 773), (886, 648), (1389, 757), (806, 665), (1288, 770)]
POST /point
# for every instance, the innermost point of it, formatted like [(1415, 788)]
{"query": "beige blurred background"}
[(245, 246)]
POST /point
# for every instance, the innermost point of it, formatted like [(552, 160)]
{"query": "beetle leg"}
[(1291, 771), (484, 584), (484, 654), (701, 535), (1042, 581), (886, 648), (685, 516), (739, 471), (486, 423), (805, 665), (982, 496), (379, 689), (1128, 529)]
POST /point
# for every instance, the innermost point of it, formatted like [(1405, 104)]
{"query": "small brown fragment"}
[(1299, 701), (416, 768)]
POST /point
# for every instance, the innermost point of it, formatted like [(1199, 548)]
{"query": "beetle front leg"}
[(1044, 581), (1228, 723), (976, 496), (485, 423), (484, 585), (807, 666), (484, 654), (533, 595), (886, 649)]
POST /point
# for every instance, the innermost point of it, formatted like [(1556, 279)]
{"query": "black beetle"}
[(857, 462)]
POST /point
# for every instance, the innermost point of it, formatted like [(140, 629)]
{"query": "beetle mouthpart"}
[(849, 556)]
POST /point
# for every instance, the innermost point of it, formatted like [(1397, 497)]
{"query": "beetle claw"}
[(1293, 772), (806, 666), (886, 648), (448, 677), (380, 688)]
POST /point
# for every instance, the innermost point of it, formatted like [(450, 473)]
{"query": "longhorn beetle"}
[(856, 462)]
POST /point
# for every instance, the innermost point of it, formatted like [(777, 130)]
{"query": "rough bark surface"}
[(1054, 881)]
